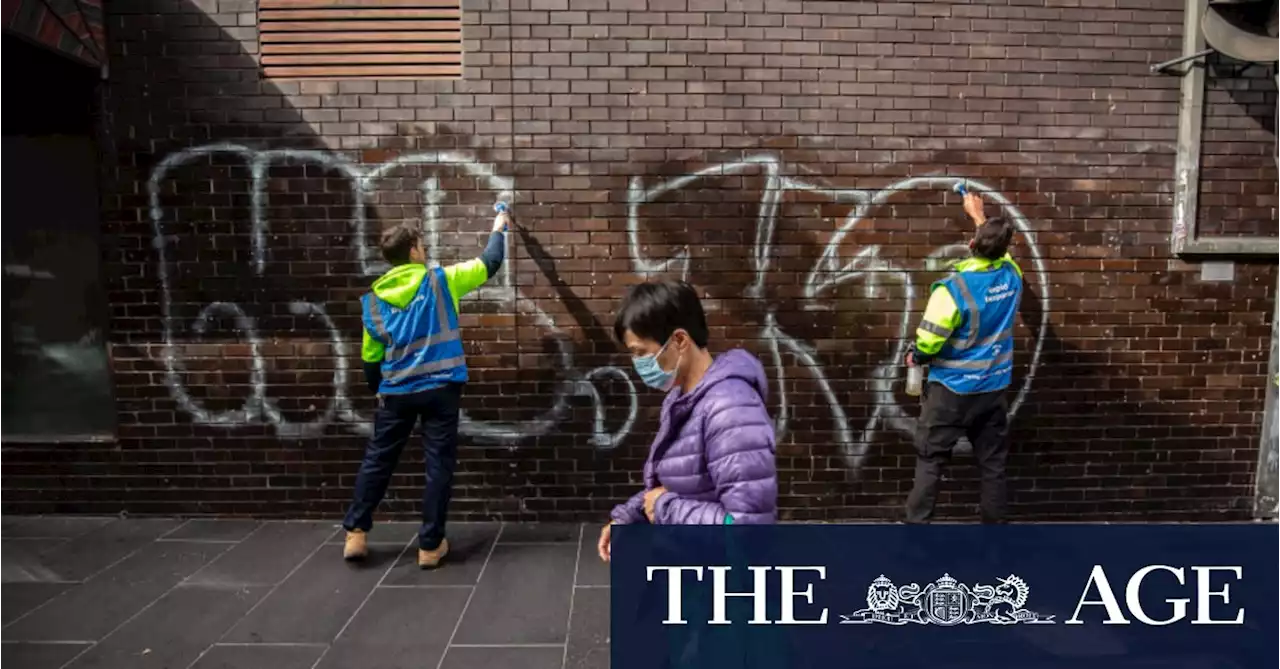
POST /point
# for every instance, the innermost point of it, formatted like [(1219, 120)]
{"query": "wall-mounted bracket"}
[(1159, 68), (1186, 187)]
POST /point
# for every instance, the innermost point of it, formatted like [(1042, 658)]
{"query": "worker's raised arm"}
[(973, 207), (465, 277)]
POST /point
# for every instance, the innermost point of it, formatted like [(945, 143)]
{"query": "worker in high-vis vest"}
[(966, 339), (413, 360)]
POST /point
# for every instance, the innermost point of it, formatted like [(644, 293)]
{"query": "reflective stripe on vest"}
[(971, 307), (975, 315), (974, 365), (444, 333), (423, 369), (934, 328), (422, 344), (974, 361)]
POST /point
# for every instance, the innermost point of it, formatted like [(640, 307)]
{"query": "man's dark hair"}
[(992, 239), (657, 309), (398, 241)]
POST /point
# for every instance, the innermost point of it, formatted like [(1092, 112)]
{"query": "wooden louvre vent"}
[(337, 39)]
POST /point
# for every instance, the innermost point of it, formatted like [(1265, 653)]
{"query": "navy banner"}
[(1025, 596)]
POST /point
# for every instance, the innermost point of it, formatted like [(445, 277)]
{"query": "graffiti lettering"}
[(828, 273), (258, 407), (834, 267)]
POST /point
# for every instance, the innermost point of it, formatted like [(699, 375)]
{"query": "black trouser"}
[(397, 414), (946, 416)]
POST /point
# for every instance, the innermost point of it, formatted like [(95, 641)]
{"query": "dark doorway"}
[(57, 381)]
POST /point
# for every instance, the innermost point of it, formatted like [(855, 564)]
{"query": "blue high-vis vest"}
[(422, 341), (978, 356)]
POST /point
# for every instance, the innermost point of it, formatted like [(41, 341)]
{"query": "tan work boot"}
[(356, 546), (431, 559)]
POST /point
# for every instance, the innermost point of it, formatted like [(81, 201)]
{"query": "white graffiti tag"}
[(830, 271), (427, 171), (361, 180)]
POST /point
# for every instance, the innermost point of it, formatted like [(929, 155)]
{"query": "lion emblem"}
[(881, 595)]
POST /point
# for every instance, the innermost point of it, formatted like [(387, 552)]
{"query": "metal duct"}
[(1242, 29)]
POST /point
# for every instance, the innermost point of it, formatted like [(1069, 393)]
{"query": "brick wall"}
[(792, 158)]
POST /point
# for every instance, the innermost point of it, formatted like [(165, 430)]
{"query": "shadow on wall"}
[(1237, 189), (1251, 86), (228, 313), (238, 244), (825, 282), (278, 251)]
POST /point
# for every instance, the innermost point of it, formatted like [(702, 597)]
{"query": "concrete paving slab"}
[(173, 631), (57, 527), (589, 630), (522, 597), (504, 657), (267, 556), (260, 656), (399, 627), (315, 602), (92, 610), (39, 655), (214, 530)]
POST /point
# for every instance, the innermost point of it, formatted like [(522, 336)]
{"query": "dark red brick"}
[(1146, 402)]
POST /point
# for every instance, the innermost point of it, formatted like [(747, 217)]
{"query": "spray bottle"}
[(915, 379), (501, 208)]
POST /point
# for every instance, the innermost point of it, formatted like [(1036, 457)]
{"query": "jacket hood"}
[(400, 284), (734, 364)]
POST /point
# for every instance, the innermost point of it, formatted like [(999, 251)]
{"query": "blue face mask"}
[(652, 373)]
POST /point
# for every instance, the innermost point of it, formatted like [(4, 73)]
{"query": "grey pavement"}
[(154, 593)]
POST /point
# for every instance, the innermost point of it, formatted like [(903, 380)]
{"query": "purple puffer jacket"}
[(714, 451)]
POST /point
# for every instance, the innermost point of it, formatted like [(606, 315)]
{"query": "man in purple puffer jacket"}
[(712, 461)]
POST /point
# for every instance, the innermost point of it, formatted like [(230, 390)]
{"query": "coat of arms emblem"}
[(947, 602)]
